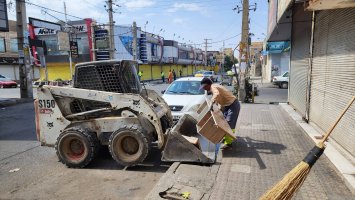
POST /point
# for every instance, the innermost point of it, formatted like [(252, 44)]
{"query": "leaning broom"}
[(292, 181)]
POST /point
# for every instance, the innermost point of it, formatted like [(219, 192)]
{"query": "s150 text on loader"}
[(106, 106)]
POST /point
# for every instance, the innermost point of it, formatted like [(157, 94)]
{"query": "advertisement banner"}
[(80, 28), (278, 47), (45, 31), (74, 49)]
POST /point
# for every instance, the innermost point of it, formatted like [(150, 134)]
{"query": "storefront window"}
[(2, 45), (52, 45), (13, 45), (83, 44)]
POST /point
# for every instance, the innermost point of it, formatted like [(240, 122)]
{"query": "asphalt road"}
[(41, 176)]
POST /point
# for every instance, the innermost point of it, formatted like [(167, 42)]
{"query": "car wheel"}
[(284, 85), (1, 86)]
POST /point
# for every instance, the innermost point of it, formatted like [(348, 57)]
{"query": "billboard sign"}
[(44, 27), (63, 41), (80, 28), (278, 47), (45, 31)]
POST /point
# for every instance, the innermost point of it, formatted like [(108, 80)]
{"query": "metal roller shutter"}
[(333, 74), (301, 36)]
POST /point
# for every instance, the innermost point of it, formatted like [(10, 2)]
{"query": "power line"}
[(33, 4)]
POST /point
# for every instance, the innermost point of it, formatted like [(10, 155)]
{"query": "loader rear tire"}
[(76, 148), (129, 146)]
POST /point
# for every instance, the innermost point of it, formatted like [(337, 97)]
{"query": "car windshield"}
[(185, 87)]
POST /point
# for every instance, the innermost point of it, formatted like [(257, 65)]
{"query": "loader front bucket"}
[(185, 144)]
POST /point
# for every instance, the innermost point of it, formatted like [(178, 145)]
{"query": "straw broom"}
[(292, 181)]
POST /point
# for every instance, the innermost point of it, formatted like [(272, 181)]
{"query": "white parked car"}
[(184, 95), (281, 81)]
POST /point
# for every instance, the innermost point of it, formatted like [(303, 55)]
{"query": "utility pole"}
[(111, 24), (134, 42), (69, 52), (26, 90), (206, 46), (243, 48)]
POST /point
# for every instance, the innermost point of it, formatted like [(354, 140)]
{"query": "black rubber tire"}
[(284, 85), (128, 145), (70, 139)]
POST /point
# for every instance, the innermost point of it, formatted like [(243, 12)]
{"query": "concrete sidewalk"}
[(269, 145)]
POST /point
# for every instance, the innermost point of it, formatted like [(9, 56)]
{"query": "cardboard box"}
[(214, 127)]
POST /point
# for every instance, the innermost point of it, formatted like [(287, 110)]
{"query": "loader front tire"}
[(76, 148), (129, 146)]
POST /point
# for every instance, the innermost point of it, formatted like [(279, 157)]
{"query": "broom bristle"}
[(289, 184)]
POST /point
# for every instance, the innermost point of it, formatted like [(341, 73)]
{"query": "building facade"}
[(154, 53), (9, 62), (255, 50), (322, 63), (54, 62)]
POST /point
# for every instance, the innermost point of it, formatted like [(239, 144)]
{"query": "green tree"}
[(228, 63)]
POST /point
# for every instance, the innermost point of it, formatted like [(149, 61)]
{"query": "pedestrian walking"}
[(225, 98), (180, 71), (170, 77), (140, 74), (174, 75), (162, 76)]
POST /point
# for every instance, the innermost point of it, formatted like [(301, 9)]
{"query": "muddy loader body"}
[(106, 106)]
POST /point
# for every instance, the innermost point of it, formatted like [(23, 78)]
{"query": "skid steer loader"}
[(106, 106)]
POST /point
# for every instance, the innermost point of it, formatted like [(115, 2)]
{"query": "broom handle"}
[(339, 118)]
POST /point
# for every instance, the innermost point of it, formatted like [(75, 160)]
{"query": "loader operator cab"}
[(109, 76)]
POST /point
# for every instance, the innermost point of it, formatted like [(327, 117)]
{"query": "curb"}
[(199, 180), (11, 102), (344, 166)]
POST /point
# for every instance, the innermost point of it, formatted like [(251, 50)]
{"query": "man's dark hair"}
[(206, 81)]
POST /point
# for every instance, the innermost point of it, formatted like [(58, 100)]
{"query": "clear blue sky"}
[(192, 20)]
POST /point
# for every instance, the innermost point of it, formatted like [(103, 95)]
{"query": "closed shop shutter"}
[(284, 62), (333, 74), (301, 36)]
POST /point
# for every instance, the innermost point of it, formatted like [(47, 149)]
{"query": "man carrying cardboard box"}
[(226, 99)]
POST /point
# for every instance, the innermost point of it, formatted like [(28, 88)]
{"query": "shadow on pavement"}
[(151, 164), (246, 147)]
